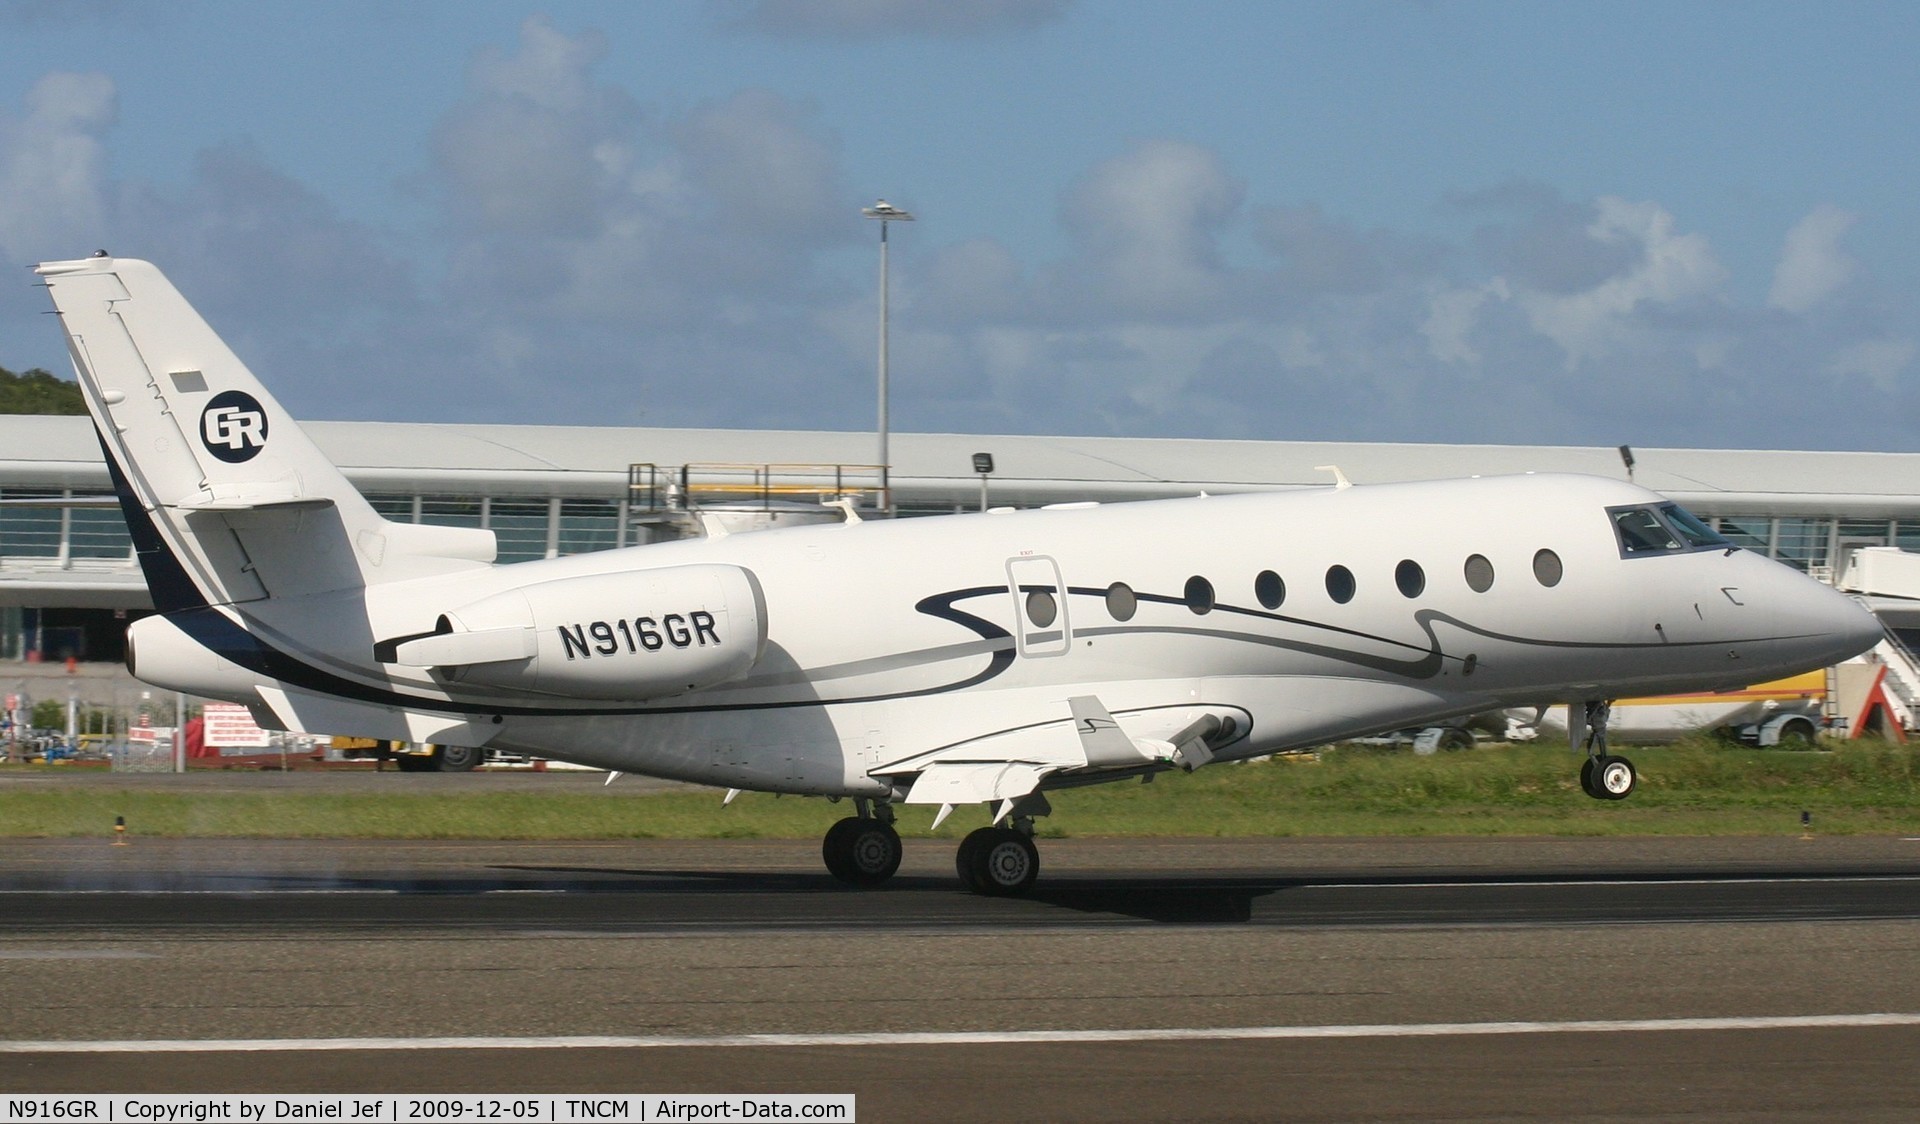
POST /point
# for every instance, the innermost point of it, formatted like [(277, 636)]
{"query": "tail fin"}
[(227, 499)]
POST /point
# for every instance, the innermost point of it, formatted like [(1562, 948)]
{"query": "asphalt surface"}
[(674, 949)]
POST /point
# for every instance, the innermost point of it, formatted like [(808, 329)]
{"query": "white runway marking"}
[(965, 1037), (74, 954), (1788, 880)]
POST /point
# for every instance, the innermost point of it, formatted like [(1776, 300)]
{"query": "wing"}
[(1086, 745)]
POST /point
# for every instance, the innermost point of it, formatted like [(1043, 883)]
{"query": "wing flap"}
[(977, 782)]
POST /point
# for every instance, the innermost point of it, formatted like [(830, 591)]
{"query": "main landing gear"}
[(863, 849), (1602, 775), (1001, 862)]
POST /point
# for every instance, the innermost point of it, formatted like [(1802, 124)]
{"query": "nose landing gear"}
[(1603, 776)]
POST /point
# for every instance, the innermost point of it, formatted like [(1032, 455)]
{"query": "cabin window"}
[(1042, 609), (1411, 579), (1479, 573), (1121, 603), (1271, 591), (1547, 568), (1199, 595), (1340, 584)]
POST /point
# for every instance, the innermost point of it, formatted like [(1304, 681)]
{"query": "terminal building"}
[(68, 581)]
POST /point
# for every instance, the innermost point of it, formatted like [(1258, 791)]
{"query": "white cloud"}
[(1669, 269), (597, 259), (1451, 318), (52, 168), (536, 148), (1880, 362), (1146, 225), (1813, 265)]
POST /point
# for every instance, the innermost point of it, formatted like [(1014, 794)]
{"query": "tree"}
[(38, 392)]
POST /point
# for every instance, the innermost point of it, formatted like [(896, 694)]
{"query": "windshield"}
[(1646, 529)]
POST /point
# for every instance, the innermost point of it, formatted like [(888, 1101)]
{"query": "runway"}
[(1160, 980)]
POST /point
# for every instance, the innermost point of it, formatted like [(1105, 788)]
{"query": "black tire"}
[(835, 850), (412, 762), (861, 852), (1586, 780), (455, 758), (874, 853), (966, 862), (1614, 778), (1003, 863), (1453, 738)]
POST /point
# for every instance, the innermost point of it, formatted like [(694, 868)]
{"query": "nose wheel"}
[(1603, 776), (1607, 777)]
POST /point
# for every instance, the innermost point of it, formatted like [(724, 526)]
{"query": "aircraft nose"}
[(1840, 625), (1858, 625)]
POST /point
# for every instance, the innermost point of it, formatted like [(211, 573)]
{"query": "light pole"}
[(885, 212), (983, 464)]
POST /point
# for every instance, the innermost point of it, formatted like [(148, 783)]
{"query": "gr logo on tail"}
[(234, 427)]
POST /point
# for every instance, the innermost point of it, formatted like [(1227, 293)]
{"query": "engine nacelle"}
[(162, 652), (631, 636)]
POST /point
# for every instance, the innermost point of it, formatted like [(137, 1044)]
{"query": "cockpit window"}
[(1662, 529), (1641, 532), (1698, 534)]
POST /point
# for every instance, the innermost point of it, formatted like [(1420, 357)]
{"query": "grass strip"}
[(1697, 788)]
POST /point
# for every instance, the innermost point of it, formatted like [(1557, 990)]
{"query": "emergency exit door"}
[(1039, 607)]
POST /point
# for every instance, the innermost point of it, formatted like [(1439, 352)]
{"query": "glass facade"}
[(56, 537), (527, 529), (62, 534), (587, 525), (521, 527)]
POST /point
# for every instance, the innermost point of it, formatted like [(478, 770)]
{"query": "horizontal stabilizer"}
[(304, 712), (246, 497)]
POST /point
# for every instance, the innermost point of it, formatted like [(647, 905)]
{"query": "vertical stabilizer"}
[(239, 504)]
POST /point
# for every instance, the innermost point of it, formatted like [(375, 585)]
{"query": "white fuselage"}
[(887, 642)]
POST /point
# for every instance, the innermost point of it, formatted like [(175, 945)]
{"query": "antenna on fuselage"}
[(1626, 458)]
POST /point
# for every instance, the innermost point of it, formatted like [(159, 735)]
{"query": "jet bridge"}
[(1887, 579)]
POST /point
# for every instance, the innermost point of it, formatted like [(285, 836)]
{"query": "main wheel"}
[(835, 851), (967, 862), (998, 862), (1586, 780), (861, 852), (1614, 778)]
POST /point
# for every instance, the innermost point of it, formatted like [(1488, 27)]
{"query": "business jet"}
[(991, 658)]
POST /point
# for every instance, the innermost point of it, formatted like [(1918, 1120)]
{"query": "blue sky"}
[(1659, 224)]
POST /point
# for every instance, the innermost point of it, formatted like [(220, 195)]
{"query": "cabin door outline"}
[(1040, 625)]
